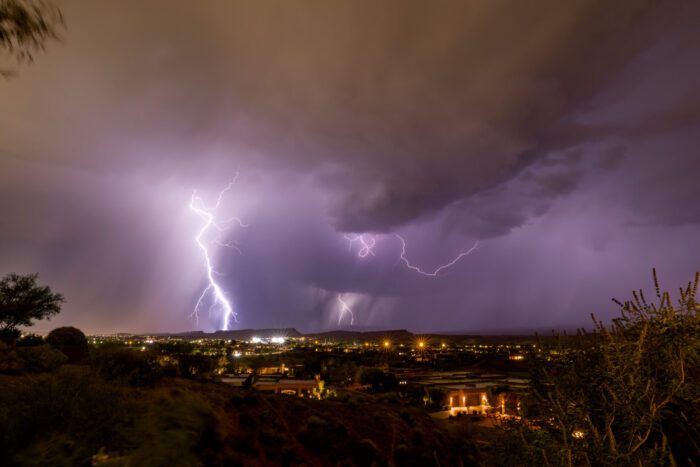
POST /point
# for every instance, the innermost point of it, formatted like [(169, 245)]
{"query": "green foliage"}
[(22, 301), (66, 335), (624, 395), (126, 365)]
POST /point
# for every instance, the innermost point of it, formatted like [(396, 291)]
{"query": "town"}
[(448, 374)]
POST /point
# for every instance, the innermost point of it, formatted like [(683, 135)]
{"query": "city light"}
[(387, 344)]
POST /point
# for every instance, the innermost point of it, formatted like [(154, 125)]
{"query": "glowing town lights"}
[(236, 354), (277, 340), (443, 345), (578, 434), (221, 303), (387, 344), (421, 344), (255, 340)]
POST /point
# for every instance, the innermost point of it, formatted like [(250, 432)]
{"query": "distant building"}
[(466, 399)]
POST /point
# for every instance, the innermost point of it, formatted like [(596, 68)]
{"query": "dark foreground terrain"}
[(72, 416)]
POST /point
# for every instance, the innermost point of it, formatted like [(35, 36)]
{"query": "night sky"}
[(564, 137)]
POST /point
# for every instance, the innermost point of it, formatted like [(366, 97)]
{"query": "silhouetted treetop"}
[(22, 301), (25, 26)]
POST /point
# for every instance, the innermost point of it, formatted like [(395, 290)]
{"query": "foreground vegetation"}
[(74, 416), (622, 395)]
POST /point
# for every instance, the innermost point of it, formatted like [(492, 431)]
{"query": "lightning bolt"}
[(344, 308), (435, 272), (366, 248), (208, 216)]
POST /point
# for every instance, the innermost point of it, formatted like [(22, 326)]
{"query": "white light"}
[(236, 354), (278, 340), (256, 340)]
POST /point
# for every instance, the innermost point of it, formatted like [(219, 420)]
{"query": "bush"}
[(41, 358), (624, 395), (10, 361), (195, 366), (29, 340), (67, 335), (126, 365)]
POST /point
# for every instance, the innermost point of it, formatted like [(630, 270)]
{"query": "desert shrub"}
[(10, 361), (69, 340), (41, 358), (127, 365), (623, 395), (67, 335), (29, 340), (365, 452), (70, 401), (195, 366), (376, 379), (174, 430)]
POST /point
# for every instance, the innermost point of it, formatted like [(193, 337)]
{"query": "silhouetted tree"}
[(22, 301), (25, 26)]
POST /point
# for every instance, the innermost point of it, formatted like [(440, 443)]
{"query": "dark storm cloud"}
[(552, 131)]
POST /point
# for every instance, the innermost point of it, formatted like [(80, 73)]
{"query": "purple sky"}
[(563, 136)]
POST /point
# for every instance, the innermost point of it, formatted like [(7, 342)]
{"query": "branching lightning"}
[(367, 246), (219, 302), (435, 272), (345, 309)]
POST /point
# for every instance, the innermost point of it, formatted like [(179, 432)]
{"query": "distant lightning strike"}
[(345, 309), (208, 215), (435, 272), (367, 248), (367, 244)]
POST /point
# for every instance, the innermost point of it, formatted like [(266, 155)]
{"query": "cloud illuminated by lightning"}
[(220, 304)]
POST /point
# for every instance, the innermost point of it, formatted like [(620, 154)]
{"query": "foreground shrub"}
[(126, 365), (624, 395), (66, 335), (69, 340), (10, 361), (41, 358), (29, 340)]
